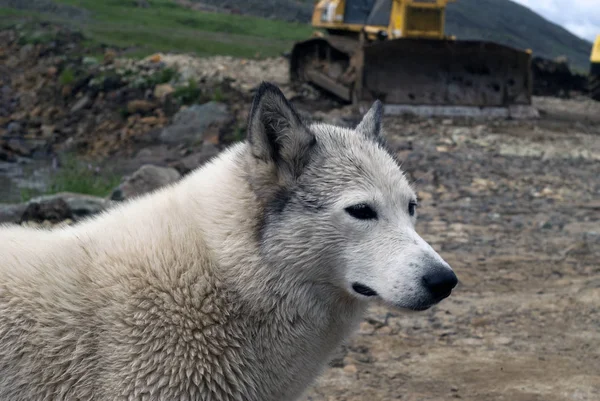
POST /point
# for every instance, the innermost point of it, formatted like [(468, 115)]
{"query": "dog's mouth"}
[(442, 297), (364, 290)]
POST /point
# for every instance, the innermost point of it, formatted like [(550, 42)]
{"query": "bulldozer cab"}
[(368, 12), (380, 13)]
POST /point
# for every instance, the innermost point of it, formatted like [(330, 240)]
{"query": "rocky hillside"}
[(503, 21), (507, 22), (60, 96)]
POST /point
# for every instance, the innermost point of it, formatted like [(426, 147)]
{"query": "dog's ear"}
[(370, 126), (276, 133)]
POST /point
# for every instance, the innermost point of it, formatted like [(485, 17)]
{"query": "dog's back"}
[(236, 283)]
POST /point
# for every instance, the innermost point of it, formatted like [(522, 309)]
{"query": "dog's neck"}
[(283, 306), (233, 223)]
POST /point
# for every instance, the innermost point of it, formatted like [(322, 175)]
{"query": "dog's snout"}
[(440, 281)]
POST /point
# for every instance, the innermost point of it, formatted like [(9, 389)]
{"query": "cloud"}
[(581, 17)]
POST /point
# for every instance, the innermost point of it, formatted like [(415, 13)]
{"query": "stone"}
[(11, 213), (385, 330), (140, 106), (19, 147), (6, 156), (47, 130), (146, 179), (14, 127), (189, 124), (51, 71), (366, 328), (350, 369), (195, 160), (81, 104), (89, 61), (80, 205), (109, 56), (53, 210), (163, 90)]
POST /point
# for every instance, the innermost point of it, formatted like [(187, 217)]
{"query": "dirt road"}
[(515, 209)]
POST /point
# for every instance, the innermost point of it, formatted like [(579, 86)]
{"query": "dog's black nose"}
[(440, 281)]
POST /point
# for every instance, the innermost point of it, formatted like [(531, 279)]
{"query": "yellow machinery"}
[(594, 76), (397, 51)]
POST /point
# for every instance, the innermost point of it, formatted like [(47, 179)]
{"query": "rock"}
[(147, 179), (52, 210), (19, 147), (80, 205), (109, 56), (51, 71), (6, 156), (13, 127), (140, 106), (366, 328), (163, 90), (189, 124), (11, 213), (89, 61), (351, 369), (111, 83), (47, 130), (150, 120), (195, 160), (81, 104), (26, 51)]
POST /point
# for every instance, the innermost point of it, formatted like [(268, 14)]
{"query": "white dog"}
[(236, 283)]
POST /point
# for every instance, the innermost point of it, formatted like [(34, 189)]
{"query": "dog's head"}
[(337, 208)]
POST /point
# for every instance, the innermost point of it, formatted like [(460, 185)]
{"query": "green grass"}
[(166, 26), (78, 177), (188, 94), (9, 12), (66, 77)]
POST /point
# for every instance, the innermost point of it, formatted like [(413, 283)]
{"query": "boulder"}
[(53, 210), (11, 213), (147, 179), (80, 205), (189, 124), (195, 160)]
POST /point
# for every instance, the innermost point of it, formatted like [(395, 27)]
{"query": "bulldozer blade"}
[(443, 73)]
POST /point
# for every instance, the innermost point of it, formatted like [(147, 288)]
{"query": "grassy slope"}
[(165, 26), (512, 24)]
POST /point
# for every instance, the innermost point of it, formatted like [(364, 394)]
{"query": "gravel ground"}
[(514, 208)]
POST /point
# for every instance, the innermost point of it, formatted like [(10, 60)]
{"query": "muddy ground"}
[(515, 209)]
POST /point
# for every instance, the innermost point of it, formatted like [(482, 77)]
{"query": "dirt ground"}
[(513, 206), (515, 209)]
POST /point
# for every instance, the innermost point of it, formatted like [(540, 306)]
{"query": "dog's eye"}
[(412, 205), (362, 211)]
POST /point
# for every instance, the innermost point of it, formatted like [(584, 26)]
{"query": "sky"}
[(581, 17)]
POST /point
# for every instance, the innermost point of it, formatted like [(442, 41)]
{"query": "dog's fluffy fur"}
[(236, 283)]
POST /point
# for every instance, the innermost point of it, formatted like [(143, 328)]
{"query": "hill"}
[(147, 26), (170, 25), (503, 21), (507, 22)]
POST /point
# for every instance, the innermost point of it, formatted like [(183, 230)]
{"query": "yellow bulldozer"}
[(397, 51), (594, 76)]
